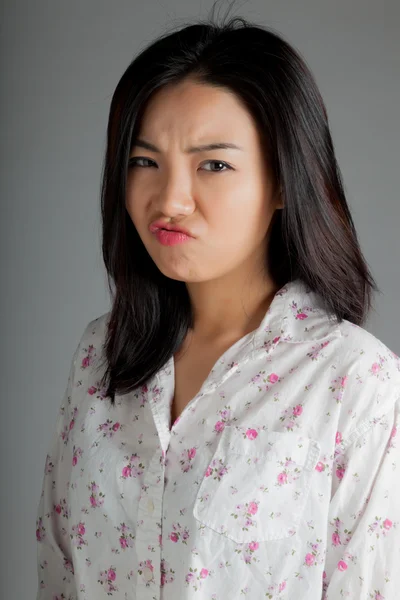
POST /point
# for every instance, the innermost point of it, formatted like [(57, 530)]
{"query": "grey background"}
[(60, 62)]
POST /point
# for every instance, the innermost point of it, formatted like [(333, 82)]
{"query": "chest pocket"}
[(256, 485)]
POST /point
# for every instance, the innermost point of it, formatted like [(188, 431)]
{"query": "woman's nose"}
[(175, 197)]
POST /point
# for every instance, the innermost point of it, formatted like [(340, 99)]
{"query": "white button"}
[(147, 574), (150, 505)]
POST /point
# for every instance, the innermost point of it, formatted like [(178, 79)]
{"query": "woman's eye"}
[(220, 166), (215, 166), (138, 160)]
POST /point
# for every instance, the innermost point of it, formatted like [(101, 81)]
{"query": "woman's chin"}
[(181, 273)]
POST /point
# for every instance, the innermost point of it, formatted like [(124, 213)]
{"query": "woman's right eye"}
[(135, 162)]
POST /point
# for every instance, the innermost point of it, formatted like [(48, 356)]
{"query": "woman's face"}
[(224, 197)]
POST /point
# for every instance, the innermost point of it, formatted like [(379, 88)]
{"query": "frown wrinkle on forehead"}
[(191, 116)]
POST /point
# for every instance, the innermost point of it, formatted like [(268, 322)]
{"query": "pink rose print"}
[(342, 566), (340, 471), (338, 438), (248, 552), (375, 368), (324, 465), (167, 574), (253, 546), (61, 508), (257, 378), (77, 453), (49, 466), (387, 524), (251, 434), (225, 414), (109, 428), (282, 478), (300, 313), (380, 527), (290, 472), (316, 351), (265, 381), (244, 513), (90, 355), (273, 378), (78, 531), (40, 530), (253, 508), (290, 415), (127, 472), (275, 590), (134, 468), (96, 497), (316, 555), (217, 469), (225, 418), (107, 579), (68, 566), (337, 387), (196, 577), (186, 460), (341, 535), (179, 533), (98, 390), (68, 428), (310, 559), (126, 538)]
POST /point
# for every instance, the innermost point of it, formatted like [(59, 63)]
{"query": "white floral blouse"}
[(279, 480)]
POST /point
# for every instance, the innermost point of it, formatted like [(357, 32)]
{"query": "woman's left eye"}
[(221, 166)]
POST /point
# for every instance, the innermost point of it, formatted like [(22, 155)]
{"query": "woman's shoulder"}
[(370, 373), (361, 348), (89, 356), (95, 331)]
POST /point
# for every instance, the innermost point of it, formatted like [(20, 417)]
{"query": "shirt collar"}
[(295, 315)]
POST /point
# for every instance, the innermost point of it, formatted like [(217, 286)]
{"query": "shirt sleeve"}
[(363, 544), (54, 559)]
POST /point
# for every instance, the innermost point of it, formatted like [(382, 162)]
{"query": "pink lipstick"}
[(169, 235)]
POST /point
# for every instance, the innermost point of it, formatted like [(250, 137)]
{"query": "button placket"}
[(148, 531)]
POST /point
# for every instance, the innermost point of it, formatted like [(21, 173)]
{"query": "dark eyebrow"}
[(139, 143)]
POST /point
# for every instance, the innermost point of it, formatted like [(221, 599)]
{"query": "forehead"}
[(197, 110)]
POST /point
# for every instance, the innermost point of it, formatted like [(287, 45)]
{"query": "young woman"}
[(229, 428)]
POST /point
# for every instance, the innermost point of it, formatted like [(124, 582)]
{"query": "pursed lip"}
[(156, 225)]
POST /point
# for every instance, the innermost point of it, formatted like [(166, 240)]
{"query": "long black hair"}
[(313, 238)]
